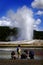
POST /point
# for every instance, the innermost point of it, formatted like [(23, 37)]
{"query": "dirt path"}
[(21, 62)]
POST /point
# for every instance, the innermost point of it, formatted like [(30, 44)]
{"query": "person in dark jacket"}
[(31, 54)]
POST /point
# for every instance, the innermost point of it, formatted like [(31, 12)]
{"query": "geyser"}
[(23, 19)]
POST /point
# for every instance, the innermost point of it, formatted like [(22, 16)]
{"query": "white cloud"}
[(38, 21), (37, 4), (4, 21), (36, 24), (35, 27), (39, 13)]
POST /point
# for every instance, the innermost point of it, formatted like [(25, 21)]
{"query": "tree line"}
[(5, 32), (38, 35)]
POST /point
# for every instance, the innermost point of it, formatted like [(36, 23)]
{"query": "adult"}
[(19, 51)]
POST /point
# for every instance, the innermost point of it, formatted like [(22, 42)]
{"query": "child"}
[(13, 56)]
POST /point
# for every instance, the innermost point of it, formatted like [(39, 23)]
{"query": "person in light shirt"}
[(19, 51)]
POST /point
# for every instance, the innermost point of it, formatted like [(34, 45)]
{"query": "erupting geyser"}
[(23, 19)]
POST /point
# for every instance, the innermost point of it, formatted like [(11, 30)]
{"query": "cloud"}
[(37, 4), (36, 24), (38, 21), (4, 21), (39, 13)]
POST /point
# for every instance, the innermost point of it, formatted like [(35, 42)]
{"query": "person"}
[(23, 56), (26, 52), (19, 51), (31, 54), (13, 55)]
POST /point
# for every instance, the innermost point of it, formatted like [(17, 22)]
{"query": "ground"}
[(21, 62)]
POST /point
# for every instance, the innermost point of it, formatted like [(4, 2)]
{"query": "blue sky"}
[(35, 5), (5, 5)]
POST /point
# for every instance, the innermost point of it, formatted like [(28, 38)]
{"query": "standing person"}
[(19, 51)]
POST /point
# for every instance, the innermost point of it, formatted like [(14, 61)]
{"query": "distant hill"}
[(6, 31)]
